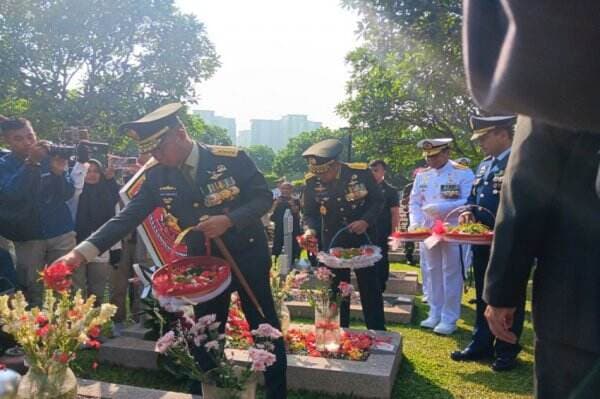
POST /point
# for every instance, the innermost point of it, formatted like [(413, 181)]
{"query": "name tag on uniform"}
[(167, 195), (450, 191)]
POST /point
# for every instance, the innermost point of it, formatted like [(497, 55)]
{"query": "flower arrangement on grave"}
[(237, 328), (50, 335), (326, 301), (353, 346), (282, 289), (227, 379)]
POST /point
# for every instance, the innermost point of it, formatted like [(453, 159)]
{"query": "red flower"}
[(43, 331), (95, 365), (94, 344), (41, 320), (57, 276), (94, 331), (62, 358), (438, 227)]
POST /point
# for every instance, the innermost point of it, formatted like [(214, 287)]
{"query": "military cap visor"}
[(322, 155), (482, 125), (149, 129), (433, 147)]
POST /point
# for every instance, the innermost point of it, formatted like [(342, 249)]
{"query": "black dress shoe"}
[(468, 354), (504, 364)]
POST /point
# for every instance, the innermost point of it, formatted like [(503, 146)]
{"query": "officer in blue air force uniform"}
[(339, 195), (494, 135), (191, 180)]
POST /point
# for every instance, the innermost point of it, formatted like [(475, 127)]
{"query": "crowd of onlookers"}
[(52, 200)]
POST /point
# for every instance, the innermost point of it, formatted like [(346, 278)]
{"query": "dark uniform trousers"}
[(483, 340), (486, 193), (227, 182), (328, 206)]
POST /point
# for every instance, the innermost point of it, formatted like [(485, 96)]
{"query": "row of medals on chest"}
[(216, 192), (354, 192)]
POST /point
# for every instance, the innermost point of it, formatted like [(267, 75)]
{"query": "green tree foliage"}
[(262, 156), (407, 80), (98, 62), (207, 134)]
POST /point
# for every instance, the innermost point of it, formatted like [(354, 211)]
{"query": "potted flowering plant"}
[(50, 336), (326, 303), (227, 379)]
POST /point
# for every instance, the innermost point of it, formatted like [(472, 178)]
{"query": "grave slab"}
[(397, 309), (373, 378), (106, 390)]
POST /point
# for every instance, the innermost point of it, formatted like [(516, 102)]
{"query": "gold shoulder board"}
[(459, 165), (308, 176), (150, 164), (223, 150), (358, 165)]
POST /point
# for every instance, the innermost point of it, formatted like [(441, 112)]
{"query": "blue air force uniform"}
[(330, 206), (214, 180), (485, 194)]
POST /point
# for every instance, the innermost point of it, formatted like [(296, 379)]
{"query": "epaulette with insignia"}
[(223, 150), (358, 165), (457, 165)]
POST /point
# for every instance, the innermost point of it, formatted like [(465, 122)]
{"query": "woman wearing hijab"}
[(96, 205)]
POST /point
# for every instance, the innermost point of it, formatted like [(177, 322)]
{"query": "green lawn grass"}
[(426, 370)]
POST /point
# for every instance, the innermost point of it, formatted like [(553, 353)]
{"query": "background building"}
[(228, 124), (243, 138), (277, 133)]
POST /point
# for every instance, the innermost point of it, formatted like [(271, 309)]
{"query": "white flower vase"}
[(58, 383), (285, 318)]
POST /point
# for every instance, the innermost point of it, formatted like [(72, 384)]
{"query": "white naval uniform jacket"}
[(447, 188)]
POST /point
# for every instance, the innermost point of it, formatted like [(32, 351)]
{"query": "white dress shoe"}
[(430, 322), (444, 329)]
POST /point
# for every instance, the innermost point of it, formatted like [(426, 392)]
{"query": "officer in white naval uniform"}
[(438, 190)]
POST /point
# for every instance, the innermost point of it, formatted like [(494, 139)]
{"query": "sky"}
[(278, 57)]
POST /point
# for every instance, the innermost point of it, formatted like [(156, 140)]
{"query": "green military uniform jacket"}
[(226, 182), (353, 195)]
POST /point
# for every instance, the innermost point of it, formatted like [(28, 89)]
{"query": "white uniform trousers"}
[(443, 264)]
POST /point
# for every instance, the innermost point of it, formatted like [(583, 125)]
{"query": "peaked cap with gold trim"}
[(322, 155), (149, 129), (432, 147), (482, 125)]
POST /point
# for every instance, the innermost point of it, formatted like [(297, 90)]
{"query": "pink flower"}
[(212, 345), (300, 279), (165, 342), (346, 289), (206, 321), (198, 339), (266, 330), (324, 274), (261, 359)]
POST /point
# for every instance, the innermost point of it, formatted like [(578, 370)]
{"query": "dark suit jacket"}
[(535, 57), (549, 210)]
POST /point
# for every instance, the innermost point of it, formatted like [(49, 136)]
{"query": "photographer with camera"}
[(34, 188)]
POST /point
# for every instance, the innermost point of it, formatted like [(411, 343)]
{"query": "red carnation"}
[(43, 331), (41, 320), (57, 276), (94, 331)]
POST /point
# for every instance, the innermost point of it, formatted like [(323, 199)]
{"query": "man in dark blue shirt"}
[(33, 191)]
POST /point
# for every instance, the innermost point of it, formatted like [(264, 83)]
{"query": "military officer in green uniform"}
[(222, 186), (344, 196)]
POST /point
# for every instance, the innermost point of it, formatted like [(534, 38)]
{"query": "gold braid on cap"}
[(485, 129), (149, 143), (318, 169)]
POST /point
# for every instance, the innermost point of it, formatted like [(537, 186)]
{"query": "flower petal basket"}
[(189, 281), (350, 258)]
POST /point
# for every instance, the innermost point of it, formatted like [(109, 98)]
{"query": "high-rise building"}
[(243, 138), (277, 133), (210, 118)]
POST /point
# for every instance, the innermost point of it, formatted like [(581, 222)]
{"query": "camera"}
[(61, 151)]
